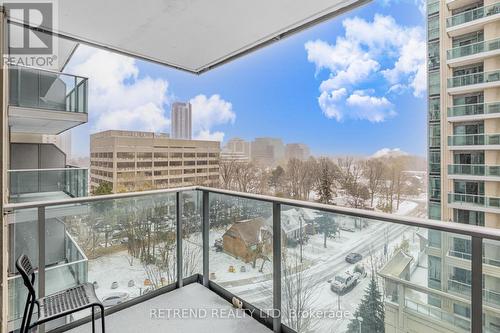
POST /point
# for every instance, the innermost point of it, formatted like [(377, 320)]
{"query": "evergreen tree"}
[(326, 226), (325, 181), (103, 188), (371, 310)]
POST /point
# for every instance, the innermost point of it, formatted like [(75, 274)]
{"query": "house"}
[(294, 223), (248, 239)]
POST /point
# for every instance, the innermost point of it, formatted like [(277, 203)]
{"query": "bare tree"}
[(373, 172), (351, 173), (227, 171), (298, 294)]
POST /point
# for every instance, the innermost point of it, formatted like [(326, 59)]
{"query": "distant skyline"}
[(352, 85)]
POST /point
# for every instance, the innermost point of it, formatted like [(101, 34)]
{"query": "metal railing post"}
[(41, 257), (205, 234), (477, 285), (179, 238), (276, 267)]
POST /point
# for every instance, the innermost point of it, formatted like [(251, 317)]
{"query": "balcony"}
[(474, 172), (474, 202), (473, 53), (474, 111), (473, 82), (472, 20), (65, 267), (474, 142), (45, 102), (27, 185), (136, 241)]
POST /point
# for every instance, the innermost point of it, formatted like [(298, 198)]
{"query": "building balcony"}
[(45, 102), (474, 202), (474, 142), (27, 185), (136, 241), (472, 20), (473, 82), (473, 53), (474, 111), (474, 172)]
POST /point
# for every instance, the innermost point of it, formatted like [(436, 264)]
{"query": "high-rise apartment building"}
[(131, 160), (297, 150), (181, 121), (463, 43)]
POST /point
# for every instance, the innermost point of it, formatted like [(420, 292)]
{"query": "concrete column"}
[(4, 134)]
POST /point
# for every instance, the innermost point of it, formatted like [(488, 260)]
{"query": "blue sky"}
[(352, 85)]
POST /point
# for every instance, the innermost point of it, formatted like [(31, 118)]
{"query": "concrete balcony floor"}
[(220, 316)]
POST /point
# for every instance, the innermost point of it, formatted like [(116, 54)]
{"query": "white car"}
[(115, 298)]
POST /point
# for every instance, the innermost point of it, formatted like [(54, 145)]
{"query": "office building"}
[(298, 151), (267, 151), (237, 150), (132, 161)]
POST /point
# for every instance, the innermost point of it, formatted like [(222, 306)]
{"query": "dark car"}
[(353, 257)]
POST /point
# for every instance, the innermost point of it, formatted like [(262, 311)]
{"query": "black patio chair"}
[(56, 305)]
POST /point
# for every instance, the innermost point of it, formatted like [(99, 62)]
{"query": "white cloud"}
[(374, 109), (381, 52), (384, 152), (209, 112), (118, 97), (207, 135)]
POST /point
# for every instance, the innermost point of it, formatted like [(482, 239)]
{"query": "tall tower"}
[(181, 121)]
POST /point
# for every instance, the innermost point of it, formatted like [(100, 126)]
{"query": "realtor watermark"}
[(233, 313), (30, 41)]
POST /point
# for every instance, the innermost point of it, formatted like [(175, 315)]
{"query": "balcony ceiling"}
[(194, 35)]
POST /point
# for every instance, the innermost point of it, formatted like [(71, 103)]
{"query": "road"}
[(325, 269)]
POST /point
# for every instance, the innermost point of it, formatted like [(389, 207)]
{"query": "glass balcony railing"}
[(474, 78), (474, 200), (474, 169), (43, 89), (34, 184), (472, 15), (489, 296), (475, 48), (474, 109), (437, 314), (70, 268), (473, 139), (281, 256)]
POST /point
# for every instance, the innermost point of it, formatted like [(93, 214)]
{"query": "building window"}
[(435, 238), (433, 53), (433, 27), (461, 310), (468, 217), (434, 80), (434, 272)]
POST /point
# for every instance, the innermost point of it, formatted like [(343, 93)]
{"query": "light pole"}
[(360, 321)]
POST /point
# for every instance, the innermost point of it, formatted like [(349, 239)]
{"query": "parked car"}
[(345, 282), (353, 257), (115, 298), (218, 245)]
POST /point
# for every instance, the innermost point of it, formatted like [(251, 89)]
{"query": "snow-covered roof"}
[(397, 265), (249, 231)]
